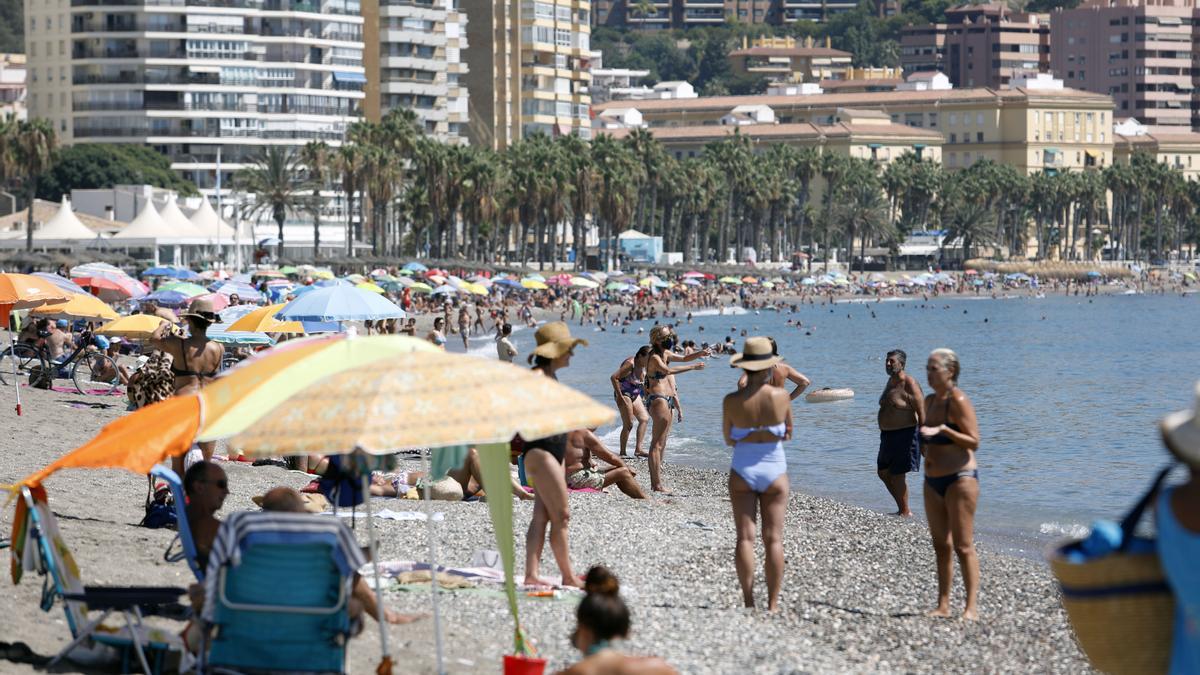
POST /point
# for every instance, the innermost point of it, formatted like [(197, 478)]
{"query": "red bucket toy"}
[(523, 665)]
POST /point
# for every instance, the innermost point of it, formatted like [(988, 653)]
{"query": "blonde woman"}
[(949, 440)]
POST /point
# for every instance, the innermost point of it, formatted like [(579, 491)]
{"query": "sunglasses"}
[(222, 484)]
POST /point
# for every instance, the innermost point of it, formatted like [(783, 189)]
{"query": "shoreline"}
[(856, 581)]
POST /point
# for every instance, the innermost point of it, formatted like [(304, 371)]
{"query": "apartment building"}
[(527, 69), (1138, 52), (1035, 125), (1176, 147), (12, 86), (979, 45), (672, 14), (783, 59), (203, 82), (414, 61)]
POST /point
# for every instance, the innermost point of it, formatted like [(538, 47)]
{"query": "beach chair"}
[(277, 593), (183, 533), (45, 550)]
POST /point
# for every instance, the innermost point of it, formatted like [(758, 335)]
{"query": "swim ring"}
[(826, 395)]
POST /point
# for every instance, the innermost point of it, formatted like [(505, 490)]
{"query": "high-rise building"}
[(413, 61), (527, 69), (1140, 53), (666, 14), (196, 80), (783, 59), (979, 45)]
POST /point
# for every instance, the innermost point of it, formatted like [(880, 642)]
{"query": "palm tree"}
[(275, 179), (26, 152), (348, 165), (970, 221), (617, 173), (318, 159), (582, 180), (862, 208)]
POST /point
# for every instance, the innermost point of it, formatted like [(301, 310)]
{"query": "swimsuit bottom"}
[(650, 398), (555, 445), (759, 464), (941, 484), (633, 391)]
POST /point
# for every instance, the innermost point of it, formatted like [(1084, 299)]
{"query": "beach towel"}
[(388, 514)]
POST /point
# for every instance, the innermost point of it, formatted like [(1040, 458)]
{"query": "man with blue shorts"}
[(901, 413)]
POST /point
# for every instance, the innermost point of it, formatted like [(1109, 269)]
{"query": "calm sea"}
[(1067, 389)]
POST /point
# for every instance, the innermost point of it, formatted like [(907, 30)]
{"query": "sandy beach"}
[(856, 586)]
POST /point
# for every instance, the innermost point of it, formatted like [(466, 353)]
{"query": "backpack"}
[(41, 378)]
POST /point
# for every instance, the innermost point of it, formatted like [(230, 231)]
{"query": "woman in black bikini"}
[(544, 466), (627, 389), (949, 440), (195, 360), (661, 396)]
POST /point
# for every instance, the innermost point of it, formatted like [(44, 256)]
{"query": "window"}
[(953, 138), (933, 119), (953, 119), (562, 37), (979, 119), (979, 137), (562, 13)]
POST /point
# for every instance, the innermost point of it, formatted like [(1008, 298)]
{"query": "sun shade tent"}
[(207, 223)]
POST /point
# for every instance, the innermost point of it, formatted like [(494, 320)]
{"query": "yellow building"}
[(527, 69), (866, 134), (1034, 126), (1178, 149)]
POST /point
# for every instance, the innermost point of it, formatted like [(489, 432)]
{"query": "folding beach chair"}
[(183, 532), (46, 551), (278, 587)]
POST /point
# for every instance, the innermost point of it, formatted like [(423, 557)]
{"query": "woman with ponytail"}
[(603, 617)]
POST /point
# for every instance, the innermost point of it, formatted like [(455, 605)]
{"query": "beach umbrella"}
[(62, 283), (693, 275), (231, 314), (534, 284), (476, 289), (436, 279), (749, 280), (340, 303), (415, 267), (419, 287), (301, 290), (445, 289), (242, 290), (731, 280), (808, 281), (168, 298), (768, 284), (355, 278), (692, 281), (113, 288), (78, 306), (23, 291), (269, 273), (1093, 274), (322, 274), (165, 271), (185, 288), (510, 283), (582, 282), (321, 283), (134, 326), (219, 301), (615, 286), (368, 286), (560, 280), (289, 270), (536, 277), (220, 333), (96, 269)]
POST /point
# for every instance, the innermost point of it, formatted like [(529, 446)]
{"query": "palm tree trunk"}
[(30, 197), (316, 224)]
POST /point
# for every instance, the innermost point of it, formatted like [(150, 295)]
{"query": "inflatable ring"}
[(826, 395)]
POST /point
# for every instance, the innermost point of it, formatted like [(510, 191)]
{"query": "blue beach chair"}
[(187, 545), (278, 590), (90, 636)]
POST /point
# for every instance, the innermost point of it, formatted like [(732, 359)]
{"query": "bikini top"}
[(940, 438), (738, 433), (187, 371)]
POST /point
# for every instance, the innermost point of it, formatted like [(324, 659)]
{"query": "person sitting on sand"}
[(781, 374), (466, 479), (581, 473), (206, 487), (104, 371), (756, 421), (601, 618), (901, 412), (949, 441), (59, 340), (1177, 517)]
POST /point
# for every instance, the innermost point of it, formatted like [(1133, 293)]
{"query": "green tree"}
[(96, 166), (276, 180), (27, 151), (12, 26), (317, 159)]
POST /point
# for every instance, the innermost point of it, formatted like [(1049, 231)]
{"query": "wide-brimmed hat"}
[(1181, 433), (201, 308), (756, 355), (554, 340)]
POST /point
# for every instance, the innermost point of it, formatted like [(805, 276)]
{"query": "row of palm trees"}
[(410, 195)]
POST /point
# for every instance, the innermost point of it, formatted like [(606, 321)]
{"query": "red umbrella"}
[(710, 277), (114, 288)]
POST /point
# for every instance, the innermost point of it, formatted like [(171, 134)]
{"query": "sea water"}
[(1068, 392)]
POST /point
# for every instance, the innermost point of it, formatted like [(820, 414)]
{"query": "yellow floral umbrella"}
[(134, 326), (78, 306), (421, 399), (262, 320)]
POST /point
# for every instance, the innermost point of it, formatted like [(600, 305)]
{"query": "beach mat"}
[(91, 392), (388, 514)]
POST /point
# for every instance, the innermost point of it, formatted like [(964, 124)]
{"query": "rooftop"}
[(809, 52), (804, 130), (44, 211)]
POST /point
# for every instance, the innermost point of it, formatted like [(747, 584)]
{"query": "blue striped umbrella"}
[(340, 303)]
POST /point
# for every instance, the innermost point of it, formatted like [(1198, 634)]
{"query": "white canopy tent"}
[(205, 220), (62, 230)]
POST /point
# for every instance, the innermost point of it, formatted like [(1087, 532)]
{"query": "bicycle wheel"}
[(23, 358), (95, 374)]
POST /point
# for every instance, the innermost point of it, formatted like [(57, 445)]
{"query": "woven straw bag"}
[(1119, 604)]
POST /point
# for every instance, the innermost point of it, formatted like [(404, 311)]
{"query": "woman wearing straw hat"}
[(195, 359), (544, 465), (661, 397), (756, 420), (949, 439), (1177, 515)]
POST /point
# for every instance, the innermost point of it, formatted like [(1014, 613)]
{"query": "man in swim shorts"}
[(901, 413), (582, 446)]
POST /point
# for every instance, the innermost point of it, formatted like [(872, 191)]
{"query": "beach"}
[(856, 584)]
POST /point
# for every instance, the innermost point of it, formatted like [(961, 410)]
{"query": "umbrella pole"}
[(379, 615), (16, 380), (437, 616)]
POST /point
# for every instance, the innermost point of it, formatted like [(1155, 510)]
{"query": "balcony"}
[(135, 131)]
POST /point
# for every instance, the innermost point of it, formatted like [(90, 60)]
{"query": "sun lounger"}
[(46, 550), (278, 587), (187, 545)]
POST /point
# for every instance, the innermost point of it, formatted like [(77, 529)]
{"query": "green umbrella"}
[(185, 287)]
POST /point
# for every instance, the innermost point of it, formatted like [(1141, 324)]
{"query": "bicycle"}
[(88, 369)]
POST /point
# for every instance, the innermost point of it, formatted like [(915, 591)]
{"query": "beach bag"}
[(41, 378), (153, 382), (342, 482), (1119, 603)]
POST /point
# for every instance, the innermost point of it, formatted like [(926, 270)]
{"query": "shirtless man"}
[(582, 446), (151, 307), (781, 374), (59, 340), (206, 487), (196, 359), (901, 413)]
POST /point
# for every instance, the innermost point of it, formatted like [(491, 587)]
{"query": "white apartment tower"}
[(187, 77), (418, 63)]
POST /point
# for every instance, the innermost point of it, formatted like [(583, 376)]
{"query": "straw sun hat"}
[(756, 355), (201, 308), (554, 340), (1181, 433)]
